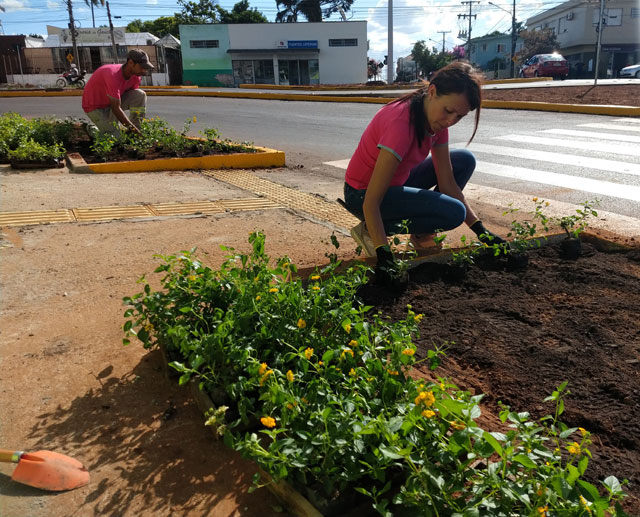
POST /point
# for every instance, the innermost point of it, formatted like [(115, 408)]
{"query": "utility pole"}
[(514, 36), (72, 30), (463, 16), (390, 43), (443, 33), (600, 27), (113, 40)]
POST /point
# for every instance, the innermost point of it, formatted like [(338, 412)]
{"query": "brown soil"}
[(615, 95), (516, 336)]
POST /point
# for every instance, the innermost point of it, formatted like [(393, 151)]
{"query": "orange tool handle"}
[(9, 456)]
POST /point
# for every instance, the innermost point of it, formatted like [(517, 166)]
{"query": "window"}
[(635, 12), (484, 47), (343, 42), (502, 47), (204, 43)]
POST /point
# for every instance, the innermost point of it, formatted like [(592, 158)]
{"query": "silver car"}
[(631, 71)]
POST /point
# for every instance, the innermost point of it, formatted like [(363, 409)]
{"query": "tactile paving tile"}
[(35, 217), (294, 199), (197, 207), (258, 203), (106, 213)]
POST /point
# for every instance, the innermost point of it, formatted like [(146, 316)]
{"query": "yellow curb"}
[(41, 93), (169, 87), (592, 109), (264, 158)]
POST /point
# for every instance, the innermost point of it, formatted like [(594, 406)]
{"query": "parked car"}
[(630, 71), (545, 65)]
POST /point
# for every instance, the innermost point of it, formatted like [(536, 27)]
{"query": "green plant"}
[(467, 253), (103, 144), (29, 150), (323, 384), (577, 223), (526, 233)]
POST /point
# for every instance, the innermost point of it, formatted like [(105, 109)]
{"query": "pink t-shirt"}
[(390, 129), (105, 83)]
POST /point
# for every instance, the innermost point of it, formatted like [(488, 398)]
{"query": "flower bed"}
[(46, 140), (315, 386)]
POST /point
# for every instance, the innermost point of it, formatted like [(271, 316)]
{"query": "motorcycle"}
[(69, 78)]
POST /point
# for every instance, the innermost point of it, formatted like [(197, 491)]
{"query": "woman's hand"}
[(388, 272), (485, 236)]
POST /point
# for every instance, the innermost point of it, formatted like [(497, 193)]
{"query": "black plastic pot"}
[(571, 248), (456, 271), (28, 164)]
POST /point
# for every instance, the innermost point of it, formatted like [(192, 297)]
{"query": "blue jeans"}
[(425, 210)]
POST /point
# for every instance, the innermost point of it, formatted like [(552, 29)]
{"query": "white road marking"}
[(629, 120), (604, 188), (559, 158), (589, 134), (615, 127), (618, 148), (340, 164), (618, 224)]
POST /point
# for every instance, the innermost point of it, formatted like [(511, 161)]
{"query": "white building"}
[(274, 53)]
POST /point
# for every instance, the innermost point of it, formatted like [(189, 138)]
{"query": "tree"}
[(429, 60), (197, 13), (241, 13), (537, 42), (159, 27), (38, 36), (312, 10)]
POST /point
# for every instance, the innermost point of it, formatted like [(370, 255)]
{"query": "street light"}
[(514, 36)]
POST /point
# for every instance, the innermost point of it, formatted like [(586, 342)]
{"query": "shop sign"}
[(313, 43)]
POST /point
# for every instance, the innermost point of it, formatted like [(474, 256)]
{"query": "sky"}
[(413, 20)]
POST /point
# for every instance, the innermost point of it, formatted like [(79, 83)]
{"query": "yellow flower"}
[(308, 353), (265, 376), (191, 278), (262, 369), (289, 405), (320, 363), (540, 492), (427, 413), (418, 318), (457, 425), (316, 288), (442, 386), (408, 351), (585, 503), (546, 203), (268, 421), (583, 431), (148, 327), (290, 376), (257, 297), (353, 343), (304, 400), (393, 372), (195, 119), (345, 352), (426, 398), (301, 323), (535, 199), (315, 277), (542, 510), (352, 372), (347, 328), (574, 448), (273, 290)]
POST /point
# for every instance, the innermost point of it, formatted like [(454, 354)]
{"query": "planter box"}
[(264, 158)]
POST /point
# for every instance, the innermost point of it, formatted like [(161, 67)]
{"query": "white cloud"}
[(17, 5), (152, 2), (52, 5)]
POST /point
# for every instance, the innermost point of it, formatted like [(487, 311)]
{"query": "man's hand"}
[(388, 274), (484, 235)]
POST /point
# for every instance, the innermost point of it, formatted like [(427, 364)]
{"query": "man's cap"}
[(140, 57)]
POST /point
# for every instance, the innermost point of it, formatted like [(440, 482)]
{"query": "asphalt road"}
[(564, 157)]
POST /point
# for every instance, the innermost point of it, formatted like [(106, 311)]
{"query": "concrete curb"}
[(265, 158), (590, 109)]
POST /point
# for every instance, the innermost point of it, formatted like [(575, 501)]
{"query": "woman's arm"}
[(446, 181), (383, 172)]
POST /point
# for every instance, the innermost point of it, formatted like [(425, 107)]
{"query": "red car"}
[(545, 65)]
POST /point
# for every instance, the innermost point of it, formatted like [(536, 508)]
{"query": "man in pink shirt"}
[(112, 89)]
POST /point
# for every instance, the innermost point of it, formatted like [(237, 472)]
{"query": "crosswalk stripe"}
[(559, 158), (340, 164), (628, 120), (590, 134), (615, 127), (629, 150), (604, 188)]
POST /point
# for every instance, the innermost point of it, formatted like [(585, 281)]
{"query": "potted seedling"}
[(574, 225), (461, 259)]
